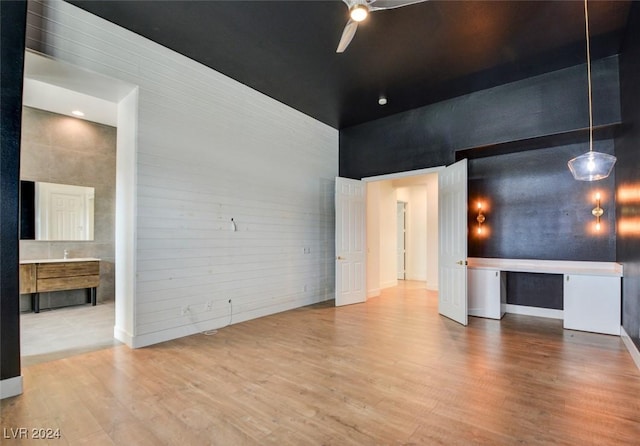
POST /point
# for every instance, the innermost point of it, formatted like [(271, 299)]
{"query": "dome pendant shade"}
[(591, 166)]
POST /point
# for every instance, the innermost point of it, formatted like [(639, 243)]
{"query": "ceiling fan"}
[(359, 10)]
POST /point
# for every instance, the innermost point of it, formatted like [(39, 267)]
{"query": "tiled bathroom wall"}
[(60, 149)]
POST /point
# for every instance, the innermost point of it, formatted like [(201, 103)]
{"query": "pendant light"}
[(591, 166)]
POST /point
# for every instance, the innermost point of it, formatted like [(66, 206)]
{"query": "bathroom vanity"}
[(39, 276)]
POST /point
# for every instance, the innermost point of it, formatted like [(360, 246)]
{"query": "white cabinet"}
[(591, 290), (592, 303), (486, 293)]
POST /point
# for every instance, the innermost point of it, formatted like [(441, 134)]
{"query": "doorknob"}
[(340, 258), (461, 262)]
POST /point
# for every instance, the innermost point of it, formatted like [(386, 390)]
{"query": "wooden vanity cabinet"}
[(45, 276), (27, 278)]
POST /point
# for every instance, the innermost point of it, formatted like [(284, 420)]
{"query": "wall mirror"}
[(50, 211)]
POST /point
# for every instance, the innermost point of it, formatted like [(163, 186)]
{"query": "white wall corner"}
[(373, 292), (123, 336), (10, 387), (633, 349)]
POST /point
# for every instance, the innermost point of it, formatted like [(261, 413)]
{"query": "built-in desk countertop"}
[(547, 266), (591, 291)]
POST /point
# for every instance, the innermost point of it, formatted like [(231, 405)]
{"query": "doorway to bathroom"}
[(69, 139)]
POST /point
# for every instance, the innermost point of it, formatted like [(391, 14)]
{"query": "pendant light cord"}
[(586, 23)]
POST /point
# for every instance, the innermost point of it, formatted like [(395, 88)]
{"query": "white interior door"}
[(61, 212), (452, 246), (350, 202)]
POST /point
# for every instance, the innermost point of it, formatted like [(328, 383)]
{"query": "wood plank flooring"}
[(388, 372)]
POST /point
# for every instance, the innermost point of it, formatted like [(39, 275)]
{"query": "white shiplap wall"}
[(209, 149)]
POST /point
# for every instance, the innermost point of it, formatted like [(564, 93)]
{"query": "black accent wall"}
[(628, 177), (534, 209), (518, 138), (548, 104), (12, 40), (535, 290)]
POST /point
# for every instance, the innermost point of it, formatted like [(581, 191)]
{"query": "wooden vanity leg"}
[(35, 302)]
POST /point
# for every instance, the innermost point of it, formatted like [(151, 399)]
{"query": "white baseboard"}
[(633, 349), (10, 387), (373, 293), (123, 336), (147, 339), (535, 311), (389, 284)]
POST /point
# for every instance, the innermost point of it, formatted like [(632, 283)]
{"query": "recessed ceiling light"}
[(382, 100), (77, 113)]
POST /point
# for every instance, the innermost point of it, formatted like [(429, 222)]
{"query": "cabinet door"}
[(27, 278), (592, 303), (484, 293)]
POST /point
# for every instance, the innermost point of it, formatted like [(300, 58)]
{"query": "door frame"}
[(404, 238), (406, 173), (395, 176)]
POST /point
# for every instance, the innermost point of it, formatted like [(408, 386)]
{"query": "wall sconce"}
[(480, 218), (597, 211), (234, 227)]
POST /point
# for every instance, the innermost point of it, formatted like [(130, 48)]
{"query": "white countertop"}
[(548, 266), (74, 259)]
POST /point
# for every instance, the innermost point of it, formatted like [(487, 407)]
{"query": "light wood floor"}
[(387, 372)]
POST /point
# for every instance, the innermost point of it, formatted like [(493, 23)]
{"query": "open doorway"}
[(61, 147), (410, 199)]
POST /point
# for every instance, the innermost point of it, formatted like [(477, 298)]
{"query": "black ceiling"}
[(415, 55)]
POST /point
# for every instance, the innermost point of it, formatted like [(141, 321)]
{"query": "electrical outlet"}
[(184, 310), (209, 306)]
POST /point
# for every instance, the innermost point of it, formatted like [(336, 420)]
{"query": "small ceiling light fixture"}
[(591, 166), (358, 12), (77, 113), (382, 100)]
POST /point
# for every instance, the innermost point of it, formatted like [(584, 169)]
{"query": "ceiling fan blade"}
[(347, 35), (377, 5)]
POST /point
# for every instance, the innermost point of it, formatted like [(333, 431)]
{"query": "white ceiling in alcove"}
[(416, 180), (61, 88)]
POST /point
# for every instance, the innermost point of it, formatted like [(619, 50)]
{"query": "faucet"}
[(66, 253)]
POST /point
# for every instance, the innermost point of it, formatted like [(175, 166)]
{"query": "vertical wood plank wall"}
[(209, 149)]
